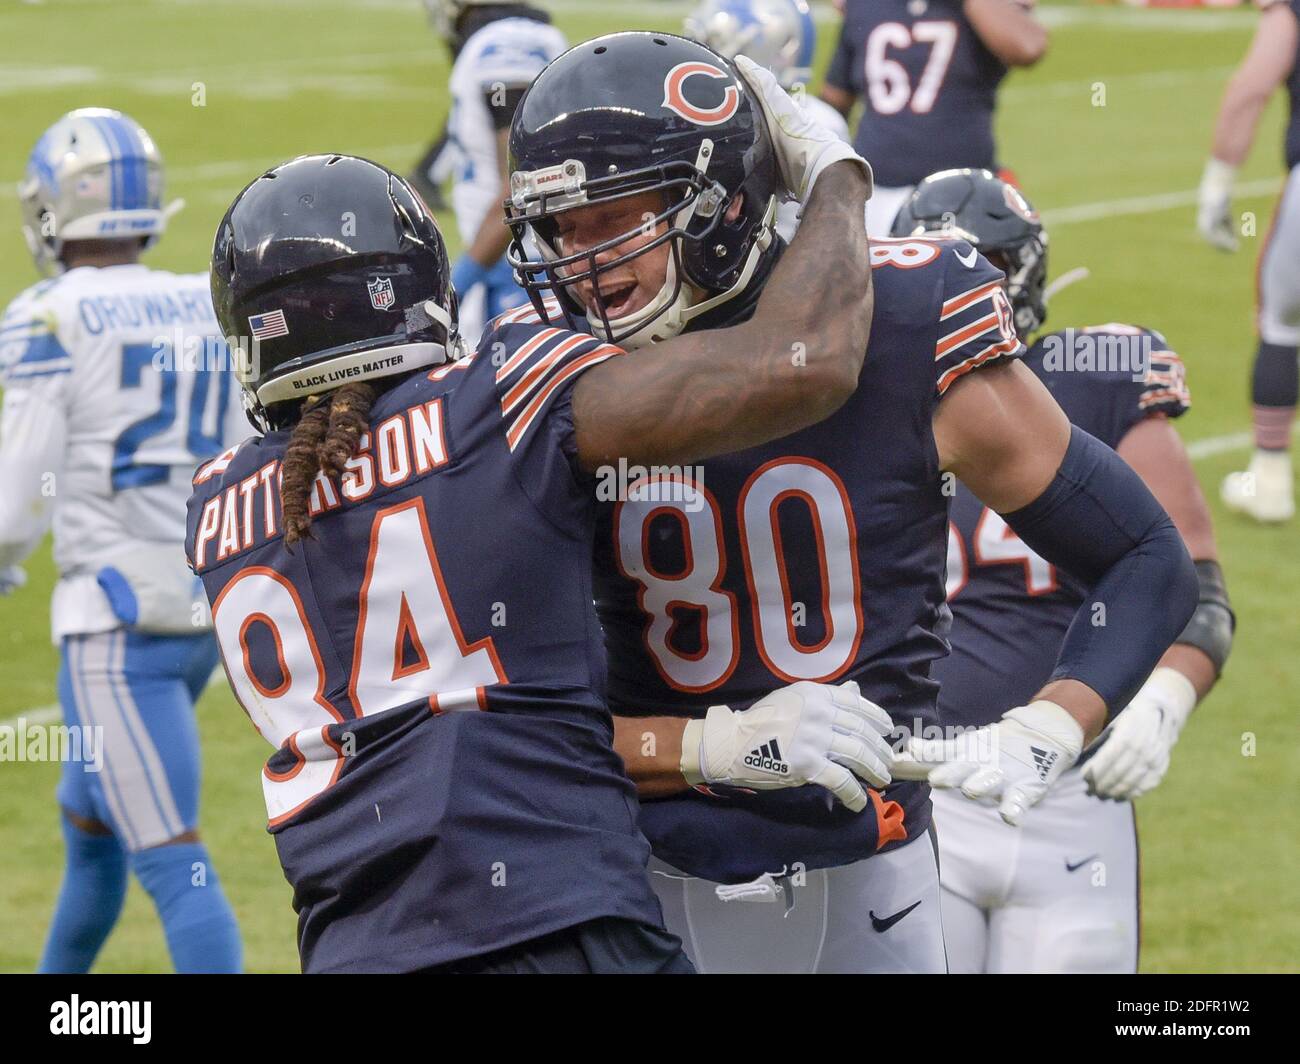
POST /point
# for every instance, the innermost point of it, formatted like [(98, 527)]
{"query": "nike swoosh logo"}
[(1079, 864), (967, 260), (889, 921)]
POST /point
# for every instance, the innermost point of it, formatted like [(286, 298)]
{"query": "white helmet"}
[(777, 34), (94, 175)]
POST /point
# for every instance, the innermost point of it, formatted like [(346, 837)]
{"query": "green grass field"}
[(1220, 859)]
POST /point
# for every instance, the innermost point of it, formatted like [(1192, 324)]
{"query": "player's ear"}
[(735, 207)]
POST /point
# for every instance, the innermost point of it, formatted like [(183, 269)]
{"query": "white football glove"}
[(804, 733), (1135, 756), (804, 148), (12, 577), (1010, 764), (1214, 205)]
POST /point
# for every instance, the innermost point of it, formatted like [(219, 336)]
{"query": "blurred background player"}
[(821, 555), (1059, 893), (116, 385), (1265, 491), (781, 36), (499, 49), (408, 619), (927, 73)]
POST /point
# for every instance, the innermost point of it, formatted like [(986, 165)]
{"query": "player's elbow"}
[(826, 389)]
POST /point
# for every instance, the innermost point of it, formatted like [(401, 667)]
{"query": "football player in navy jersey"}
[(1059, 893), (409, 543), (820, 556), (1266, 489), (927, 73)]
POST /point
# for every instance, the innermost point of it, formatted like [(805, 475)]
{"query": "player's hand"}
[(803, 147), (1214, 205), (12, 578), (1010, 764), (804, 733), (1134, 757)]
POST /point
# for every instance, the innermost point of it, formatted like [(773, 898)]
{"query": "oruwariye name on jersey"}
[(819, 556), (124, 385), (928, 82), (1010, 607), (448, 573)]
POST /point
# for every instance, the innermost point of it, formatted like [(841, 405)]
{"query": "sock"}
[(1275, 389), (90, 900), (197, 919)]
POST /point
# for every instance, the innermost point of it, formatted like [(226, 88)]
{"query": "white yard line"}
[(1163, 201)]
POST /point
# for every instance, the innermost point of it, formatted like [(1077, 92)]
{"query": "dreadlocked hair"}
[(324, 438)]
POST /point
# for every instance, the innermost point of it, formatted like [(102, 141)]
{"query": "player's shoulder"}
[(30, 328), (530, 360), (231, 466), (511, 44), (1130, 368), (933, 272)]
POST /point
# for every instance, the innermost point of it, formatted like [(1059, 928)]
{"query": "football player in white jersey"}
[(499, 49), (116, 385), (782, 36)]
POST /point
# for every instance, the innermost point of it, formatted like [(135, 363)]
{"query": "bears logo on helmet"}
[(675, 97), (611, 119)]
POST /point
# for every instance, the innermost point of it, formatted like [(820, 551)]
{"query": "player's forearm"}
[(1098, 521), (1008, 30), (651, 749), (31, 459), (1194, 665), (794, 363), (1234, 131)]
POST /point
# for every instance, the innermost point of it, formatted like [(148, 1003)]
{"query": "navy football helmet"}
[(995, 217), (329, 269), (630, 113)]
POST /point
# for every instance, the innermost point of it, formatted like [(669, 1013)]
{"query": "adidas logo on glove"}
[(768, 758), (1043, 760)]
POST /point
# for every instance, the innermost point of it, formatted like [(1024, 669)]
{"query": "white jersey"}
[(506, 54), (116, 385), (787, 214)]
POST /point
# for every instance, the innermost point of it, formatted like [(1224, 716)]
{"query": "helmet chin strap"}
[(675, 306)]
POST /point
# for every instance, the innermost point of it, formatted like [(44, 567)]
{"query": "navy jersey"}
[(428, 666), (819, 556), (1010, 608), (928, 86)]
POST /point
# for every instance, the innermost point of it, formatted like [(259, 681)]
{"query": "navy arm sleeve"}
[(1099, 522)]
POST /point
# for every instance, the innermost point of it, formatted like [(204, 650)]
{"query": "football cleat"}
[(1264, 491)]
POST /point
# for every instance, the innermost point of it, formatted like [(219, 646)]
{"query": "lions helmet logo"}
[(381, 293), (675, 98)]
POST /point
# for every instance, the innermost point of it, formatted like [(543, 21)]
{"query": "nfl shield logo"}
[(381, 293)]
